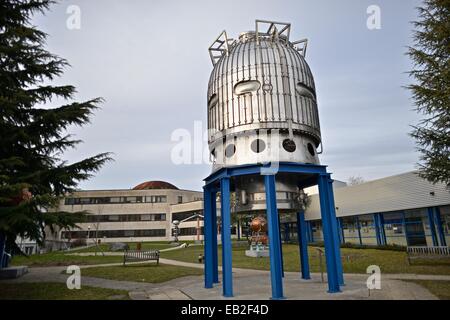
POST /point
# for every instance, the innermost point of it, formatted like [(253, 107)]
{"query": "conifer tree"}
[(33, 130), (431, 89)]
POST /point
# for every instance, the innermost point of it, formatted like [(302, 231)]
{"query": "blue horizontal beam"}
[(251, 169)]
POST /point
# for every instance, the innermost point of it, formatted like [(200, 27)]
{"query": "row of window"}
[(126, 217), (114, 200), (188, 231), (113, 234), (184, 215)]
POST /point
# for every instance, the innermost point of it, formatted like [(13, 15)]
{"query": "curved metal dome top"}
[(149, 185), (262, 88), (261, 79)]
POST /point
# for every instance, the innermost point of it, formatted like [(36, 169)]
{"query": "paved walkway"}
[(399, 276), (117, 253), (248, 284)]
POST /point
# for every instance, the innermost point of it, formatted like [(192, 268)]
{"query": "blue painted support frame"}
[(329, 229), (405, 230), (309, 232), (383, 230), (303, 245), (340, 230), (312, 174), (227, 270), (358, 226), (335, 229), (274, 238), (376, 222), (208, 235), (287, 232), (281, 249), (430, 212), (439, 227), (214, 236)]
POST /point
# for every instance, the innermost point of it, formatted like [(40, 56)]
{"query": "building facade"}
[(144, 213), (403, 210)]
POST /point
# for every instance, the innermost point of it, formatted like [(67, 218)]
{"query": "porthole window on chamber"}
[(247, 86), (305, 91), (289, 145), (258, 146), (230, 150), (311, 149), (213, 101)]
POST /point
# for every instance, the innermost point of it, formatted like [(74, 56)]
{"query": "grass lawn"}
[(152, 272), (133, 246), (357, 262), (56, 291), (61, 259), (441, 289)]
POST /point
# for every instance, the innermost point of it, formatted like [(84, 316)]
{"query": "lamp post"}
[(175, 230), (89, 230)]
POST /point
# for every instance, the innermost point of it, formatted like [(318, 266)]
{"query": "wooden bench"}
[(137, 255), (427, 253)]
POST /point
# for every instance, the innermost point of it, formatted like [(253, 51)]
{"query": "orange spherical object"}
[(264, 240), (259, 224)]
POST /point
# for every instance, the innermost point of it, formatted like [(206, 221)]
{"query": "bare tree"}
[(355, 180)]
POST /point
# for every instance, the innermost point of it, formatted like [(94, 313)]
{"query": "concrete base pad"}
[(13, 272), (257, 253)]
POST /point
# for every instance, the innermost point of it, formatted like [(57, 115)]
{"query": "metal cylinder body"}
[(262, 107)]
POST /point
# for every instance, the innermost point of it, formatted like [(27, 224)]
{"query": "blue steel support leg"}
[(207, 216), (310, 232), (303, 245), (274, 238), (214, 237), (281, 250), (335, 229), (439, 227), (358, 225), (380, 229), (227, 276), (340, 230), (327, 226), (383, 232), (432, 226), (404, 228), (308, 237), (287, 231), (376, 222)]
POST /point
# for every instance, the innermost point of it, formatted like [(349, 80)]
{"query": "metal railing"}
[(432, 251), (427, 253), (137, 255)]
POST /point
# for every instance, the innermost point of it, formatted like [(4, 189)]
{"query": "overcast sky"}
[(149, 60)]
